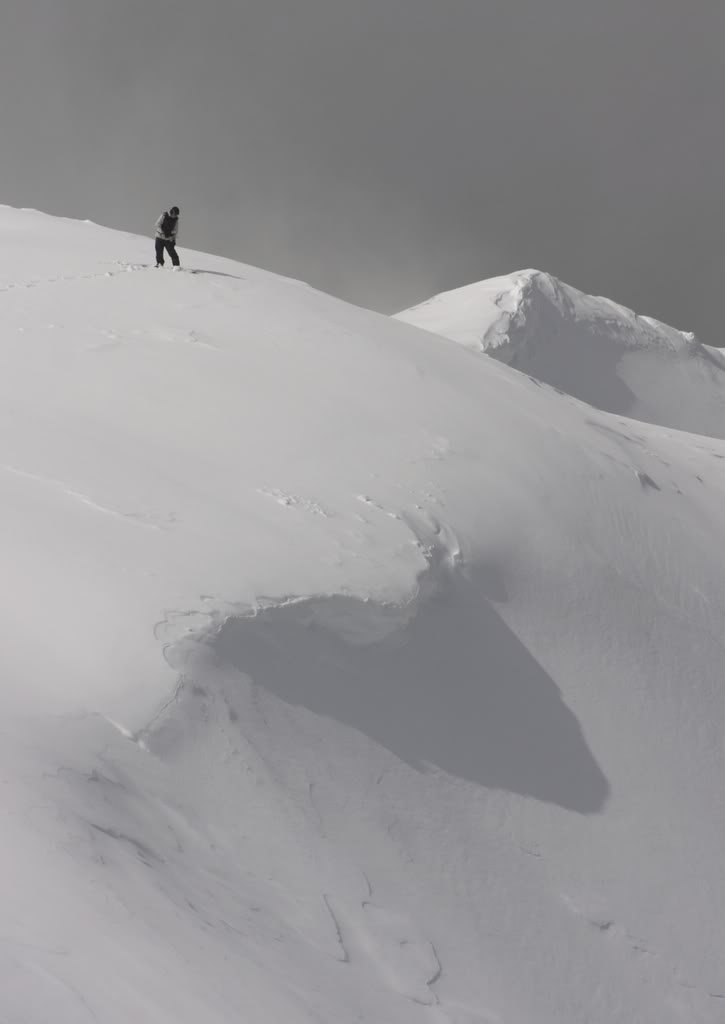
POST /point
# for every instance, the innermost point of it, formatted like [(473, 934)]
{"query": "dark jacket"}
[(167, 227)]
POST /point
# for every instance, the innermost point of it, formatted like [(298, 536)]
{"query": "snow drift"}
[(589, 347), (347, 675)]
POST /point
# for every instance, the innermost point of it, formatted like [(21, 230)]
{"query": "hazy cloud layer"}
[(387, 149)]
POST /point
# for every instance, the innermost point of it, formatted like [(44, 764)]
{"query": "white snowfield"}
[(347, 675), (594, 349)]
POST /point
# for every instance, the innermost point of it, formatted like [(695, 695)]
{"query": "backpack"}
[(168, 224)]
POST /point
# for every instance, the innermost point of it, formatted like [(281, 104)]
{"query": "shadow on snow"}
[(454, 688)]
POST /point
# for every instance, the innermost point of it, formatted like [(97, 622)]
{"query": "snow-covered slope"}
[(346, 675), (592, 348)]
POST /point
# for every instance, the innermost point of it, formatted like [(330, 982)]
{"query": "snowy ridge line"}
[(538, 299), (187, 635), (531, 304), (589, 347)]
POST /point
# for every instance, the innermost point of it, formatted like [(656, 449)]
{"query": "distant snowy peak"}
[(506, 315), (590, 347)]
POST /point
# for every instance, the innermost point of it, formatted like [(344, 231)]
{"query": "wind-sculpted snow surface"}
[(591, 348), (453, 690), (346, 676)]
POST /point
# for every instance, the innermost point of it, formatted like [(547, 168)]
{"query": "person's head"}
[(174, 211)]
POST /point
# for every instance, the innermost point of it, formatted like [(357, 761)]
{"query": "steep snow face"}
[(346, 675), (589, 347)]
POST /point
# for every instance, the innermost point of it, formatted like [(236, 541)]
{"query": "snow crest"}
[(592, 348)]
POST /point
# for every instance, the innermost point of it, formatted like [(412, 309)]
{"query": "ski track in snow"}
[(144, 519), (123, 269), (61, 278)]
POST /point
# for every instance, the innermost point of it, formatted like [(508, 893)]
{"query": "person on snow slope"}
[(167, 227)]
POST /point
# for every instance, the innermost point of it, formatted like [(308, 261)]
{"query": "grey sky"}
[(387, 149)]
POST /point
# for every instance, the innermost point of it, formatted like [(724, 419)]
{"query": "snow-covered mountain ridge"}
[(346, 675), (590, 347)]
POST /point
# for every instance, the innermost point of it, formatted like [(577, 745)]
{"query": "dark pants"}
[(170, 246)]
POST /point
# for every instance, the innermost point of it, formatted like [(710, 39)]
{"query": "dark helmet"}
[(174, 211)]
